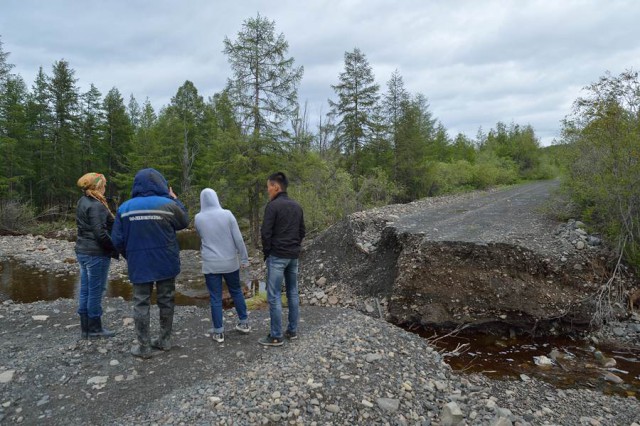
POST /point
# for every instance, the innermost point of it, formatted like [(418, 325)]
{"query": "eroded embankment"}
[(447, 284)]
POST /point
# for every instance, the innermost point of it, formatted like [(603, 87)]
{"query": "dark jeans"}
[(214, 284), (94, 272)]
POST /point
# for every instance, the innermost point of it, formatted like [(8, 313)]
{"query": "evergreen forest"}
[(373, 146)]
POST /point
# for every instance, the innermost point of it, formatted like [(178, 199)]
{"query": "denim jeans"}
[(279, 269), (94, 273), (214, 284)]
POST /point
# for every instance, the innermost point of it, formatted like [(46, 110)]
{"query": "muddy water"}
[(25, 285), (500, 357)]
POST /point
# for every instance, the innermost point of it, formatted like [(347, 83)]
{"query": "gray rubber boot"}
[(143, 348), (166, 305), (84, 326), (163, 342), (96, 331), (141, 298)]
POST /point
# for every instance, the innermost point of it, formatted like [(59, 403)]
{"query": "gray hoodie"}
[(220, 236)]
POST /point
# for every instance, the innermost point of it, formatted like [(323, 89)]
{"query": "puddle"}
[(577, 367), (188, 240), (23, 284)]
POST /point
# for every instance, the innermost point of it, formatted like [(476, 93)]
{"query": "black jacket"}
[(94, 228), (282, 228)]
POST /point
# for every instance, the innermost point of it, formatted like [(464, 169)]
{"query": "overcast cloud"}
[(478, 62)]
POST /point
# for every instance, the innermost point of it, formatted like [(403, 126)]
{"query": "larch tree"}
[(91, 122), (264, 91), (356, 106), (64, 99), (394, 102), (116, 141), (187, 110)]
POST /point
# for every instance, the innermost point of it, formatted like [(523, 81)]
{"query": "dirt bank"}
[(492, 259)]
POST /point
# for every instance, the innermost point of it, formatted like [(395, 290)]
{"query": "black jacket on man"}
[(94, 228), (282, 228)]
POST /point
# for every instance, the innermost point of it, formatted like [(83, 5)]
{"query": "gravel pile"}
[(359, 370)]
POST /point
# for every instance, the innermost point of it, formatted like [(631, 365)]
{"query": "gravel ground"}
[(346, 368)]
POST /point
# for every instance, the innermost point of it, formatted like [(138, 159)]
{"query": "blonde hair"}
[(92, 185)]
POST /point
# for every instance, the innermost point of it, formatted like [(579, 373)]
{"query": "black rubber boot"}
[(96, 331), (84, 326), (143, 348)]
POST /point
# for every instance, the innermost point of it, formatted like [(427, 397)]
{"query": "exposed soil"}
[(490, 260)]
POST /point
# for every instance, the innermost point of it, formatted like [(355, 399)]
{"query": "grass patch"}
[(259, 301)]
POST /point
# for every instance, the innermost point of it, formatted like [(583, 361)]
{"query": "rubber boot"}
[(166, 324), (143, 348), (84, 326), (96, 331)]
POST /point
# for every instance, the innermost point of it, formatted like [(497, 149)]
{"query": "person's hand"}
[(245, 264), (172, 194)]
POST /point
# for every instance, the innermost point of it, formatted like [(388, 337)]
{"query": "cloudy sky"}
[(478, 62)]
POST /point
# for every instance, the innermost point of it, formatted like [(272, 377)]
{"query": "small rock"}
[(7, 376), (333, 408), (372, 357), (40, 317), (321, 281), (114, 362), (333, 300), (610, 377), (98, 380), (214, 400), (367, 403), (388, 404), (451, 414)]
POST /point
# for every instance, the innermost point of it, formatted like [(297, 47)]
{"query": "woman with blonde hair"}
[(94, 251)]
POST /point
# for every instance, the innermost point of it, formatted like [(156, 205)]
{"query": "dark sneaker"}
[(291, 335), (243, 327), (271, 341), (218, 337)]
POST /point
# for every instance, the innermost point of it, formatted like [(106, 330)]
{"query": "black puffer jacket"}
[(94, 228)]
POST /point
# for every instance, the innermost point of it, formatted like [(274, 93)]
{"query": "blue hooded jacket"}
[(145, 229)]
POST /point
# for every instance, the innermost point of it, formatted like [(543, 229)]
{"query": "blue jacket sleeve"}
[(117, 236)]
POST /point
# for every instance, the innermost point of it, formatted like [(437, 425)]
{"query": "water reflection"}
[(24, 284), (499, 357), (188, 240)]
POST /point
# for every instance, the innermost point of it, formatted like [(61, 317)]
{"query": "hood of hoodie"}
[(209, 200), (149, 182)]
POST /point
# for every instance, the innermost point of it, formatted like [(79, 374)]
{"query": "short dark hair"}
[(280, 179)]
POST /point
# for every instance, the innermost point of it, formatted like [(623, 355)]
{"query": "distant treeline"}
[(372, 147)]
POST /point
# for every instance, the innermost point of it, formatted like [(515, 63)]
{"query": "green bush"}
[(602, 146), (16, 216), (326, 196)]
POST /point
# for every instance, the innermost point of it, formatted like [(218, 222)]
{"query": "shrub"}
[(16, 216)]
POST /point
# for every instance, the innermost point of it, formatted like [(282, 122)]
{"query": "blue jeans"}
[(94, 273), (279, 269), (214, 284)]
